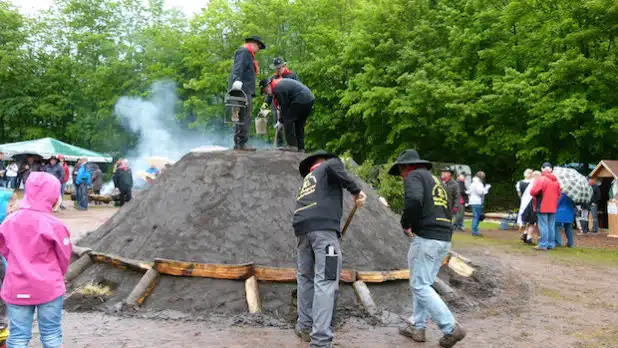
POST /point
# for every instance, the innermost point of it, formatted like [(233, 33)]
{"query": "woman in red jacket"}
[(546, 192), (64, 181)]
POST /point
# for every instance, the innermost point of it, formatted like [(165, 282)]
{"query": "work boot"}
[(449, 340), (410, 331), (288, 148), (304, 335), (244, 147)]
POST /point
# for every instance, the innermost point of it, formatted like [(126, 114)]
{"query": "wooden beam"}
[(252, 292), (364, 296), (204, 270), (143, 288), (121, 262), (460, 267), (383, 276), (275, 274), (77, 267), (79, 251)]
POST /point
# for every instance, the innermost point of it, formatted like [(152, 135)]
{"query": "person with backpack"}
[(83, 180), (426, 218), (37, 247)]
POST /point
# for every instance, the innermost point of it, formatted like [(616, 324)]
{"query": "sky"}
[(31, 7)]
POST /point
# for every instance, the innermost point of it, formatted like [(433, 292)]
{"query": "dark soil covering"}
[(230, 207)]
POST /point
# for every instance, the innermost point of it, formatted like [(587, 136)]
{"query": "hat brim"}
[(394, 171), (305, 165), (261, 45)]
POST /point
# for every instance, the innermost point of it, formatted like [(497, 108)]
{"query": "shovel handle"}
[(348, 221)]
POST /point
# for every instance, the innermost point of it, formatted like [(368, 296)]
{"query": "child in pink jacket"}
[(37, 247)]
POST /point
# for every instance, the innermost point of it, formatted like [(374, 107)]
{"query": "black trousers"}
[(125, 196), (294, 124), (241, 130)]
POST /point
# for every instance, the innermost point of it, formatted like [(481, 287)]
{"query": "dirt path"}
[(82, 222), (572, 305)]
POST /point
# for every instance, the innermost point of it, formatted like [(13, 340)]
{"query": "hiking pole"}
[(349, 220)]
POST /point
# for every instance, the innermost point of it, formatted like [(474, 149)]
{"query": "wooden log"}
[(121, 262), (383, 276), (204, 270), (77, 267), (143, 288), (252, 291), (364, 296), (275, 274), (463, 258), (79, 251), (347, 276), (442, 288), (460, 267)]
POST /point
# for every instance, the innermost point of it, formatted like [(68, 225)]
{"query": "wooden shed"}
[(606, 173)]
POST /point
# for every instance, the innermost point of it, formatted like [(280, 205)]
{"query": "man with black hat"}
[(316, 222), (54, 168), (243, 77), (282, 71), (452, 189), (295, 102), (427, 218)]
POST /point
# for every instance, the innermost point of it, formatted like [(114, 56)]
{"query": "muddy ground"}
[(572, 303)]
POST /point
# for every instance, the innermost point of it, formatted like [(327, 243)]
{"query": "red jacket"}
[(67, 175), (546, 193)]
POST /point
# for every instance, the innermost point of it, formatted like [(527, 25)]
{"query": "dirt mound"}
[(230, 207)]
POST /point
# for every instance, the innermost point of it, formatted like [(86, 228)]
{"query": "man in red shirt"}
[(546, 193)]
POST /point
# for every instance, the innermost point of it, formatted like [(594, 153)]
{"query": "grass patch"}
[(563, 255), (553, 294), (95, 290), (606, 337)]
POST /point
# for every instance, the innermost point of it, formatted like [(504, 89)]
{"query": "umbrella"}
[(145, 176), (574, 185), (158, 162)]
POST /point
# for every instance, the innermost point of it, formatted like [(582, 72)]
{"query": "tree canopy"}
[(498, 84)]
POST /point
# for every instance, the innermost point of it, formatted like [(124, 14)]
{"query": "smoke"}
[(154, 121)]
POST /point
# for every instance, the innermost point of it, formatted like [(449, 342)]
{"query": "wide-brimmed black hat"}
[(408, 157), (257, 40), (305, 165), (277, 63)]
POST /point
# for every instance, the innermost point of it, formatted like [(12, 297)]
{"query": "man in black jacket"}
[(54, 168), (427, 218), (594, 204), (282, 71), (463, 197), (452, 189), (316, 222), (243, 77), (123, 180), (295, 102)]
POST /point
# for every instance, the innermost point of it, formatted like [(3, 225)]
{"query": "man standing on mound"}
[(426, 218), (316, 224), (243, 77), (295, 102)]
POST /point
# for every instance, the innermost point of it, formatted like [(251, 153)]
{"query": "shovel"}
[(348, 221)]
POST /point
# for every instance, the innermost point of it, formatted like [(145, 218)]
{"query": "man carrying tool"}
[(426, 218), (295, 102), (243, 77), (316, 222), (282, 71), (452, 189)]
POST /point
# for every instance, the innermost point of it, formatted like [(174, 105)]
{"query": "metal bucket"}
[(236, 101)]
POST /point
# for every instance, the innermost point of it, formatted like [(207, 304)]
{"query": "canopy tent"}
[(47, 147)]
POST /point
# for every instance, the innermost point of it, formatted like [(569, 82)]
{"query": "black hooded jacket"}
[(426, 207), (243, 71), (319, 205)]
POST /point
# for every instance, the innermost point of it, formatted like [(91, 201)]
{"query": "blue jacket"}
[(5, 197), (566, 210), (83, 175)]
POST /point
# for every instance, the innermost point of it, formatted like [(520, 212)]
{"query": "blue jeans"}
[(20, 324), (547, 229), (477, 211), (594, 210), (425, 257), (82, 196), (13, 182), (568, 230)]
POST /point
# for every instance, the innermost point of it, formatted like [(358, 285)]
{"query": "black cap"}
[(448, 169), (257, 40), (278, 62), (264, 83), (547, 165)]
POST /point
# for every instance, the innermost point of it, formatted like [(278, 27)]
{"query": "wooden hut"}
[(606, 173)]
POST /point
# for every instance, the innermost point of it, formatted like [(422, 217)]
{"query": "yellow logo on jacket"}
[(309, 184), (440, 197)]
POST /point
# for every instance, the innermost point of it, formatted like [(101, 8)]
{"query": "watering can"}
[(236, 102)]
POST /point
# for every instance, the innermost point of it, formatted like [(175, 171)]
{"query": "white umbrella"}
[(574, 185)]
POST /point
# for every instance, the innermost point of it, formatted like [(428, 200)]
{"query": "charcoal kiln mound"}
[(236, 208)]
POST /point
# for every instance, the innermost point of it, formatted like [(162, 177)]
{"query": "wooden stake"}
[(143, 288), (460, 267), (364, 296), (442, 288), (79, 251), (252, 291), (348, 221), (77, 267)]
